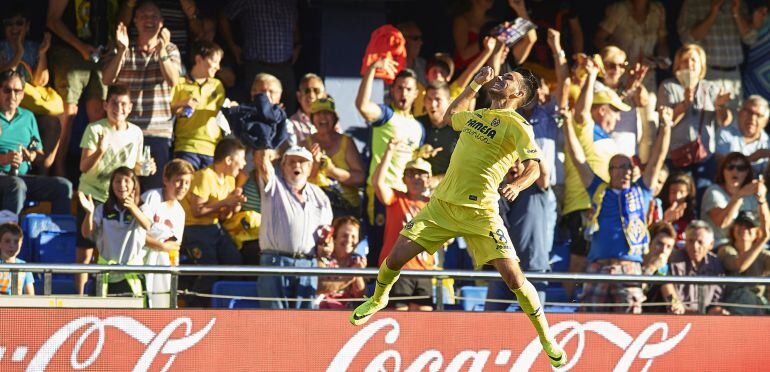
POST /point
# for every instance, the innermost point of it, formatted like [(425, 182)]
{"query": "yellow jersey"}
[(209, 186), (490, 142)]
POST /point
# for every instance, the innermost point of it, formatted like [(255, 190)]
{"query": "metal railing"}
[(175, 271)]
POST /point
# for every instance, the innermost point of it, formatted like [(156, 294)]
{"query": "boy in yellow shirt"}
[(197, 99)]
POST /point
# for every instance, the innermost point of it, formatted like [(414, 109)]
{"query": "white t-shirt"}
[(167, 222)]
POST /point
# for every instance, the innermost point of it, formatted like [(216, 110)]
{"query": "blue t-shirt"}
[(5, 280), (610, 241), (525, 219), (18, 131)]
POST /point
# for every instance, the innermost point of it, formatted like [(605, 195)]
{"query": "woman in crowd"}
[(119, 229), (745, 255), (627, 83), (337, 167), (699, 107), (639, 28), (677, 200), (338, 251), (733, 191)]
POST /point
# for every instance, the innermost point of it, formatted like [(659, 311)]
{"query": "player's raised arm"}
[(463, 101), (573, 148)]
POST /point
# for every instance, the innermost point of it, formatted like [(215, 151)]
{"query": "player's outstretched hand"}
[(509, 192), (484, 75)]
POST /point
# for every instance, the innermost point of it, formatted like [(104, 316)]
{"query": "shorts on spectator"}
[(198, 161), (574, 223), (74, 76), (628, 296), (412, 287), (82, 241)]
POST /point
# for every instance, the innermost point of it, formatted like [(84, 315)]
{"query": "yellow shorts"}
[(483, 229)]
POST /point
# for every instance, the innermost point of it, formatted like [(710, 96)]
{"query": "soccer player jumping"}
[(465, 202)]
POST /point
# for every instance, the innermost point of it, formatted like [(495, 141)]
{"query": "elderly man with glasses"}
[(746, 134), (19, 146)]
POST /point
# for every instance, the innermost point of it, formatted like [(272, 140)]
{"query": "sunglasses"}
[(738, 167), (613, 66), (7, 90), (317, 91)]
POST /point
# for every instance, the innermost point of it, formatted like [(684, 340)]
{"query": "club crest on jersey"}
[(409, 225), (495, 122)]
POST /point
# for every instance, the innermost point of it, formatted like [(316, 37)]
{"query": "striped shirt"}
[(267, 27), (723, 41), (150, 93)]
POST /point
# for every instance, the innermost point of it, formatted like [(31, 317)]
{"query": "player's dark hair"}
[(227, 147), (531, 85)]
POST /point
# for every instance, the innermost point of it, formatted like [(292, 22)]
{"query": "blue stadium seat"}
[(49, 238), (235, 288), (473, 298), (58, 285), (559, 257)]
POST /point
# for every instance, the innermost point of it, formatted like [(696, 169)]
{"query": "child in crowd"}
[(401, 208), (197, 100), (119, 229), (163, 208), (107, 144), (11, 237), (338, 250), (213, 198)]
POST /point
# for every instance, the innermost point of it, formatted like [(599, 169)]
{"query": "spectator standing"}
[(735, 190), (719, 26), (746, 134), (401, 207), (413, 37), (196, 101), (745, 255), (11, 238), (394, 121), (637, 27), (619, 230), (19, 146), (755, 81), (339, 252), (181, 17), (163, 208), (311, 89), (82, 30), (596, 115), (119, 229), (30, 58), (697, 259), (149, 66), (337, 166), (700, 106), (106, 145), (295, 213), (270, 40), (212, 199), (440, 136)]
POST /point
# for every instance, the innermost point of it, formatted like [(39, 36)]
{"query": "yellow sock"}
[(530, 304), (385, 279)]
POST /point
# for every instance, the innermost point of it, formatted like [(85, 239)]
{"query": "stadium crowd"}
[(654, 159)]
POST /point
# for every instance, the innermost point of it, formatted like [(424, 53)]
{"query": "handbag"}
[(690, 153), (41, 100)]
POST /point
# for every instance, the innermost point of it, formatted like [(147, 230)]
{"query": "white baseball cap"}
[(299, 151)]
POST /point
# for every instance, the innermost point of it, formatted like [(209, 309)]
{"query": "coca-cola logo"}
[(155, 343), (641, 347)]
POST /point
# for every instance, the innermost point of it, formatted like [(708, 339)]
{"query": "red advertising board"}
[(257, 340)]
